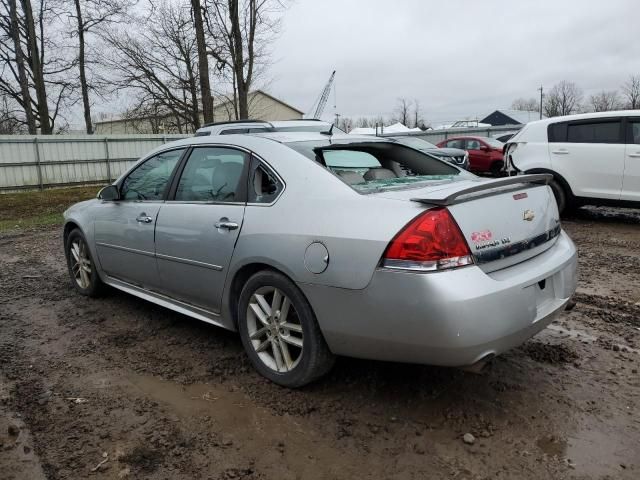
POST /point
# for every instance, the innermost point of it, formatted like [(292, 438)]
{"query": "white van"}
[(593, 157)]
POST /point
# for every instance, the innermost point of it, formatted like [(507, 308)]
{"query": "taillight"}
[(432, 241)]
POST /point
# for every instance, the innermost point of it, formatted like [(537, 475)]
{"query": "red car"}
[(485, 154)]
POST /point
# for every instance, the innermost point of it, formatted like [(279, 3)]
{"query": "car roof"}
[(308, 122), (290, 137), (587, 116), (279, 137), (236, 122), (214, 128)]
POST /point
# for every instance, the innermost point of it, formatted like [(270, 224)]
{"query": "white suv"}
[(594, 158)]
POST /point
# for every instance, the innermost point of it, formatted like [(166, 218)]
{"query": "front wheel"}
[(279, 331), (82, 270)]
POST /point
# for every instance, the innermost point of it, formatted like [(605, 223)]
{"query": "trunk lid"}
[(504, 221)]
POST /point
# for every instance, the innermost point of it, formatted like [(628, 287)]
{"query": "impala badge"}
[(528, 215)]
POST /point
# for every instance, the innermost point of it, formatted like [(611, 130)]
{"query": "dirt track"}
[(120, 388)]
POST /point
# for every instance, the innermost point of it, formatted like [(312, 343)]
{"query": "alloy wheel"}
[(80, 263), (274, 329)]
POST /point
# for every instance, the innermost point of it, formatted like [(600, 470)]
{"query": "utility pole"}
[(541, 95), (337, 120)]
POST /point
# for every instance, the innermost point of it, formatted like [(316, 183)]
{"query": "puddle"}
[(569, 333), (553, 446), (560, 332), (598, 453), (282, 440), (593, 453), (229, 409)]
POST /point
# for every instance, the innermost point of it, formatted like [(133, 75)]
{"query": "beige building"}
[(262, 106)]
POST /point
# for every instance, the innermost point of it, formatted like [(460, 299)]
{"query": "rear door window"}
[(557, 132), (473, 144), (634, 131), (594, 132), (213, 174)]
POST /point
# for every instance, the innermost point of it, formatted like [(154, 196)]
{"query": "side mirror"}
[(109, 193)]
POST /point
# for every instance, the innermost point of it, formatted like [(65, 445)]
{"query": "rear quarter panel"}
[(533, 148), (318, 207), (354, 229)]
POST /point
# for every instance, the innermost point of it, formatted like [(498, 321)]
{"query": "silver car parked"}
[(313, 246)]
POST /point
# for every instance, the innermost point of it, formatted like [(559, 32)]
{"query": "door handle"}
[(635, 155), (226, 224), (560, 152), (144, 218)]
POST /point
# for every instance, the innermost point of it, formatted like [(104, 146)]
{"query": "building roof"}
[(225, 101), (278, 100), (518, 117)]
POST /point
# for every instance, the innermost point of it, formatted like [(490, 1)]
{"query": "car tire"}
[(82, 269), (560, 194), (496, 168), (279, 331)]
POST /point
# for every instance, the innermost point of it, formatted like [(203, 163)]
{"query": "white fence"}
[(42, 161)]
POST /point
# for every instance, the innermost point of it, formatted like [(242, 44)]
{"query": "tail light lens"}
[(430, 242)]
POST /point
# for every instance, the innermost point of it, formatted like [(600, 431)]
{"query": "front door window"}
[(149, 181)]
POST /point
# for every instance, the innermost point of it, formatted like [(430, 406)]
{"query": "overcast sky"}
[(459, 58)]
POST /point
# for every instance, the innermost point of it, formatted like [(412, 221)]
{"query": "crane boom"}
[(324, 96)]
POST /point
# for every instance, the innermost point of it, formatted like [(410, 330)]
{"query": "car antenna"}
[(328, 132)]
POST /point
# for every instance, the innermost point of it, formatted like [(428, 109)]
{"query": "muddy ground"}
[(119, 388)]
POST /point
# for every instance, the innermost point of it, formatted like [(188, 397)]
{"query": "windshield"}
[(415, 143), (492, 142), (373, 166)]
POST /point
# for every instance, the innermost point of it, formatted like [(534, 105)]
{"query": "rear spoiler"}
[(435, 199)]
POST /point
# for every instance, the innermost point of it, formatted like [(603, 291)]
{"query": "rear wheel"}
[(560, 194), (82, 270), (279, 331)]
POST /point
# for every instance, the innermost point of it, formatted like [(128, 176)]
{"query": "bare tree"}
[(25, 94), (10, 123), (34, 64), (418, 121), (346, 124), (605, 101), (525, 105), (89, 15), (563, 99), (159, 64), (241, 32), (203, 61), (631, 92), (402, 113), (362, 122)]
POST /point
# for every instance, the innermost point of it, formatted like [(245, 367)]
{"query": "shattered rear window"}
[(375, 166), (401, 183)]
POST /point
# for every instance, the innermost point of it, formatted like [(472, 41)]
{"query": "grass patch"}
[(24, 210)]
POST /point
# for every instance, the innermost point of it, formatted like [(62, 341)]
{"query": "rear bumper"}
[(451, 318)]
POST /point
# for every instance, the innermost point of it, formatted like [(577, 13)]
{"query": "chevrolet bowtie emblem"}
[(528, 215)]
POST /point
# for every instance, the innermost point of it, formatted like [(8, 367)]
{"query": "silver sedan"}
[(313, 246)]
